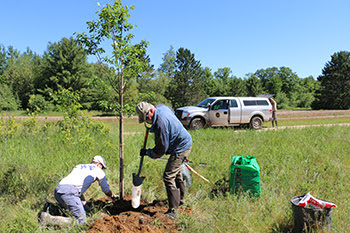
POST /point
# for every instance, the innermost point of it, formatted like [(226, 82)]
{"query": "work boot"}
[(182, 189), (174, 202), (48, 219)]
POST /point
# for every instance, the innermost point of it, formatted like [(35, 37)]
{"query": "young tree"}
[(334, 92), (126, 59)]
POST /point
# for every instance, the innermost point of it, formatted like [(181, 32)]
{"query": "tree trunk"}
[(121, 141)]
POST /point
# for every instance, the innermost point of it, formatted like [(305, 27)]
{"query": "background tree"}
[(3, 62), (223, 76), (101, 91), (126, 59), (306, 93), (8, 101), (237, 86), (186, 88), (254, 86), (168, 65), (284, 84), (334, 92), (19, 74), (64, 65)]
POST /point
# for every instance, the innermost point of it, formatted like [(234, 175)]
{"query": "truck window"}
[(249, 102), (262, 102), (221, 104), (233, 104), (255, 102)]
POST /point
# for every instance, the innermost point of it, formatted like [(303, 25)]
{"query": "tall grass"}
[(292, 162)]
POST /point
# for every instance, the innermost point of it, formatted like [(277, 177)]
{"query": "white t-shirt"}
[(83, 175)]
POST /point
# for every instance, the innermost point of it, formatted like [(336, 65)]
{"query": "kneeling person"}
[(70, 191)]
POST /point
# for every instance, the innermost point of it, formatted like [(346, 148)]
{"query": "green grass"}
[(308, 122), (292, 162)]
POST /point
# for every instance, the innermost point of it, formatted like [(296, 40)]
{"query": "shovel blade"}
[(136, 190)]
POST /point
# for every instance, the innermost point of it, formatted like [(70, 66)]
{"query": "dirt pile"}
[(121, 217)]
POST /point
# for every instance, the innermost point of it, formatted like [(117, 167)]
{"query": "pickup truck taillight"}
[(271, 111)]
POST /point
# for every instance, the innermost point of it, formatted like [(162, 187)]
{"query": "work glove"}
[(143, 152)]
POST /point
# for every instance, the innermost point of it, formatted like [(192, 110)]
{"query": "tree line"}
[(37, 83)]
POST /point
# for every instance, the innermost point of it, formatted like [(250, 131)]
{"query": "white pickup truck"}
[(226, 111)]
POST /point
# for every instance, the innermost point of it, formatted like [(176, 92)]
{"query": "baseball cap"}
[(141, 110), (99, 158)]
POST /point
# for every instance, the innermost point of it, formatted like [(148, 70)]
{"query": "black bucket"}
[(306, 219)]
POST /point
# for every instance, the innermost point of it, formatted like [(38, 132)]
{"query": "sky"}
[(244, 35)]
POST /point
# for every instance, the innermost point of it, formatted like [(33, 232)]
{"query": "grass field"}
[(34, 157)]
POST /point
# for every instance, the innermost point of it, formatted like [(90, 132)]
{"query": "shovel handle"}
[(192, 170), (144, 147)]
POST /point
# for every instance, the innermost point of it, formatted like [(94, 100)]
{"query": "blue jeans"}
[(69, 197)]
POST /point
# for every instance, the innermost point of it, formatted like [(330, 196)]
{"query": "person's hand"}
[(143, 152), (114, 197)]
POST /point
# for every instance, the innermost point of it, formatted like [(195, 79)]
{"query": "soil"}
[(120, 216)]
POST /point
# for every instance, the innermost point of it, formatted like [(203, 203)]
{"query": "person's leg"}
[(47, 219), (75, 206), (171, 178), (181, 185), (69, 197), (276, 119), (273, 118)]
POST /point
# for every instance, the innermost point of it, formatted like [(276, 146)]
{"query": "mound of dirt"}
[(121, 217)]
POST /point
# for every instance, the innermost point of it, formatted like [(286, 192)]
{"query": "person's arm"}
[(161, 141), (105, 187), (111, 195), (82, 198)]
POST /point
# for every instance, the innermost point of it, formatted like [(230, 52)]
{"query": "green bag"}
[(245, 175)]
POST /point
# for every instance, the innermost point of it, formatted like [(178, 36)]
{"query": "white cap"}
[(100, 159)]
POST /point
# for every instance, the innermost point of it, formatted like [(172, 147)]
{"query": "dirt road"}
[(282, 115)]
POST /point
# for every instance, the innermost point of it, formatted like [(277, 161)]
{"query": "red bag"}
[(309, 201)]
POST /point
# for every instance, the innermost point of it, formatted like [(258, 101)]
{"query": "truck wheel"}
[(256, 123), (197, 123)]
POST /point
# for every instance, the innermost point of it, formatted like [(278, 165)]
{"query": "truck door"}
[(235, 112), (218, 113)]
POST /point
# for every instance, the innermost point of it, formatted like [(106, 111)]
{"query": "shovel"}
[(137, 180)]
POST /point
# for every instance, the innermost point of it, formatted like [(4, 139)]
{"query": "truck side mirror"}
[(209, 106)]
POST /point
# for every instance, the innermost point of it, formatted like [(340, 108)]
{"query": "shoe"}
[(171, 214), (174, 202), (47, 219)]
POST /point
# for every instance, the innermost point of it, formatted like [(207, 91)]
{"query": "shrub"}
[(7, 100), (37, 103)]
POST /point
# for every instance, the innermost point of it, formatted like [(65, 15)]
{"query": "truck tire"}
[(256, 123), (197, 123)]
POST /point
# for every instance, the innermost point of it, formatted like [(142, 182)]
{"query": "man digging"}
[(170, 138)]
